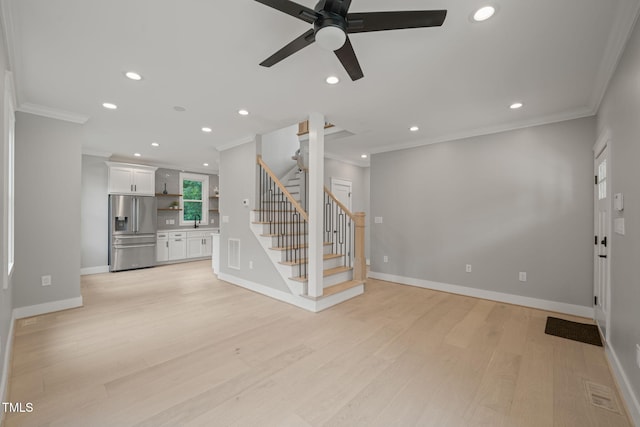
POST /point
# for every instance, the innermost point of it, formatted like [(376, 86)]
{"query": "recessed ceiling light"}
[(516, 105), (133, 75), (137, 154), (243, 112), (484, 13), (333, 80), (207, 130), (109, 106), (414, 128), (205, 164), (364, 156), (155, 144)]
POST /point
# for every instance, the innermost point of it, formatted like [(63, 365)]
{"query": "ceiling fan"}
[(332, 22)]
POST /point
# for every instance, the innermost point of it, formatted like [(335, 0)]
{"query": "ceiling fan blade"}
[(300, 43), (294, 9), (381, 21), (349, 61)]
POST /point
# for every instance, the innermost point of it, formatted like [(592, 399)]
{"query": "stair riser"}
[(283, 228), (334, 279), (302, 252), (297, 271)]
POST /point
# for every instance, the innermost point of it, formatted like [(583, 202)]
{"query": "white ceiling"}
[(458, 80)]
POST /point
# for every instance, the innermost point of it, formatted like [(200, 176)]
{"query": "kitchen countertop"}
[(205, 229)]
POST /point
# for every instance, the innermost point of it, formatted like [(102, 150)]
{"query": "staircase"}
[(280, 223)]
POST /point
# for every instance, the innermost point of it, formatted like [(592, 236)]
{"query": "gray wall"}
[(359, 177), (619, 114), (94, 213), (6, 306), (278, 147), (48, 173), (238, 182), (509, 202)]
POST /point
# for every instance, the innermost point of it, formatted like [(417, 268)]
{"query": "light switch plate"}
[(618, 226), (225, 219), (522, 276), (378, 220)]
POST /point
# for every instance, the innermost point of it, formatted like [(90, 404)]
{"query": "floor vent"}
[(602, 396), (234, 254)]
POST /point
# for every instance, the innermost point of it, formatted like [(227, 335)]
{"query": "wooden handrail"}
[(282, 188), (343, 207)]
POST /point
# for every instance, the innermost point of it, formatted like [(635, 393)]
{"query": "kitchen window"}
[(195, 199), (9, 178)]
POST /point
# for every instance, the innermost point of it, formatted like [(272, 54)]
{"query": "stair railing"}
[(287, 220), (345, 230)]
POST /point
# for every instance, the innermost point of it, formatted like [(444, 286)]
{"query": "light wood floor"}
[(174, 346)]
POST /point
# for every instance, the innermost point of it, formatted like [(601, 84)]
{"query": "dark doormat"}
[(582, 332)]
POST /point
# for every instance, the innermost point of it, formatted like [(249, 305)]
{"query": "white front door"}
[(602, 239)]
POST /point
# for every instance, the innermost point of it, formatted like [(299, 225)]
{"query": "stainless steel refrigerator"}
[(132, 232)]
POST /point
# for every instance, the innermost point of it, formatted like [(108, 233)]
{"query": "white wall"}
[(504, 203), (94, 213), (48, 174), (618, 115), (278, 147)]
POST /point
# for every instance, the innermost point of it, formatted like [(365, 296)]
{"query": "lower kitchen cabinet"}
[(180, 245), (198, 244), (162, 247), (177, 245)]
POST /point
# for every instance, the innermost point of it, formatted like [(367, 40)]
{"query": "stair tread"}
[(284, 248), (339, 287), (325, 273), (304, 261)]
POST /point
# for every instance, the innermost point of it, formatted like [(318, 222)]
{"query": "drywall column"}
[(316, 198)]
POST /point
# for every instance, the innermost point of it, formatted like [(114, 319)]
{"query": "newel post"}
[(360, 265)]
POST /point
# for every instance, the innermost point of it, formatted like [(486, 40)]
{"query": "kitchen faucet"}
[(195, 224)]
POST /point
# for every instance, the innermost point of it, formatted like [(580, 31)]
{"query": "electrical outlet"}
[(166, 221), (225, 219), (385, 259), (251, 265), (638, 355), (522, 276), (46, 280), (468, 268)]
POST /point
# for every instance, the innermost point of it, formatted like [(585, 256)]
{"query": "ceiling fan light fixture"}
[(331, 37), (484, 13)]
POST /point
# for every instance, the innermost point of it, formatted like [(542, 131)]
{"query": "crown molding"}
[(237, 143), (538, 121), (622, 29), (53, 113)]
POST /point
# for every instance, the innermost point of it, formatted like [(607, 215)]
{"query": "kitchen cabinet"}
[(127, 178), (162, 247), (198, 244), (177, 245)]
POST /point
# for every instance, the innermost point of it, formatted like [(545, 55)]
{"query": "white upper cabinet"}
[(126, 178)]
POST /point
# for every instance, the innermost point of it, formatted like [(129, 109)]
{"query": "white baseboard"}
[(633, 406), (559, 307), (5, 365), (270, 292), (94, 270), (48, 307)]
